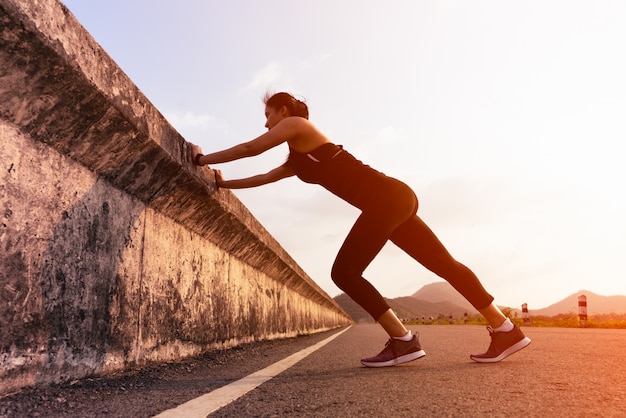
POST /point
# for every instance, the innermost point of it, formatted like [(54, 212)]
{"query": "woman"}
[(389, 210)]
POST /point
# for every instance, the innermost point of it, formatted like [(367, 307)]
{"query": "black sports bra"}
[(338, 171)]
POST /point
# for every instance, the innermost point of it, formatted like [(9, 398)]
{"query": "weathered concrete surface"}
[(114, 250)]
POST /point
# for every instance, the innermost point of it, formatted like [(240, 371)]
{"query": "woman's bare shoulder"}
[(308, 136)]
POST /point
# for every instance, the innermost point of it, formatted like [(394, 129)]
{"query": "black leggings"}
[(392, 216)]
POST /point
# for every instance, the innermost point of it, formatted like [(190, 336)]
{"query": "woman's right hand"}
[(219, 179)]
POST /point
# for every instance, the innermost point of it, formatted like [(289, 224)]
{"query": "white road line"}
[(210, 402)]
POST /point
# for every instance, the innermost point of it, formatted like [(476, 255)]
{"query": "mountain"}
[(439, 292), (596, 304), (408, 307), (433, 300), (441, 299), (353, 309)]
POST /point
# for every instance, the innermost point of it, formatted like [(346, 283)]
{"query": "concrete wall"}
[(114, 250)]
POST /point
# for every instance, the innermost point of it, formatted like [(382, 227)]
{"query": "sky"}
[(507, 119)]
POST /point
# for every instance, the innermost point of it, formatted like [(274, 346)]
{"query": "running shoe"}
[(503, 344), (396, 352)]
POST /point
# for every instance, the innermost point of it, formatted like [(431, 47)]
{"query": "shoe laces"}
[(389, 345), (492, 343)]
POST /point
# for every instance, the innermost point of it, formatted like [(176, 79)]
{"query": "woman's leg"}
[(493, 315), (391, 324), (418, 240), (366, 238)]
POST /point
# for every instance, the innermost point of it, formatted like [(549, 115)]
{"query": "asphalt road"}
[(563, 373)]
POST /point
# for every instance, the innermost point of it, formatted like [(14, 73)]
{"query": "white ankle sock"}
[(506, 326), (407, 337)]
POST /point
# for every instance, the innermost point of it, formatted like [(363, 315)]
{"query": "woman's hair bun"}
[(294, 106)]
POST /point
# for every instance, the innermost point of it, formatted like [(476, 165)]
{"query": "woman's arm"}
[(276, 174), (283, 131)]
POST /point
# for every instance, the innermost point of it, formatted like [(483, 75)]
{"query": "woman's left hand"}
[(193, 151)]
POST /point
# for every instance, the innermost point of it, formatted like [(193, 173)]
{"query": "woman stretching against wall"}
[(388, 212)]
